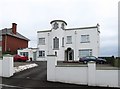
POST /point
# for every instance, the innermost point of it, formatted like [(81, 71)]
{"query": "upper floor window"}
[(69, 39), (42, 41), (56, 43), (63, 42), (55, 25), (85, 39)]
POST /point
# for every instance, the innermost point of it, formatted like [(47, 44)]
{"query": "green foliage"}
[(113, 61), (117, 62), (110, 60), (9, 52)]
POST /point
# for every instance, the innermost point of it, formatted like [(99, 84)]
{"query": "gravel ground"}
[(16, 64)]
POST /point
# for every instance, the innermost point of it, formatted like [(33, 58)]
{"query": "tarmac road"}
[(36, 78)]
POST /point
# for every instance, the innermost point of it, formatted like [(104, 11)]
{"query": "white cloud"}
[(34, 15)]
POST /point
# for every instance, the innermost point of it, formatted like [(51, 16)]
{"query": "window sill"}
[(56, 49), (85, 42), (41, 44), (69, 43), (41, 57)]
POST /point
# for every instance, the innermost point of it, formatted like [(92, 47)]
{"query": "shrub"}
[(117, 62), (110, 60)]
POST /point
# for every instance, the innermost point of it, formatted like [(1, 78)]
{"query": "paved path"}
[(36, 78)]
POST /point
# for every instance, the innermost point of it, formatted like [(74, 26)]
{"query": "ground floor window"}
[(24, 54), (41, 53), (85, 52)]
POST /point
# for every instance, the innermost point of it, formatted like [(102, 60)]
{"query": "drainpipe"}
[(75, 46), (48, 44), (5, 43)]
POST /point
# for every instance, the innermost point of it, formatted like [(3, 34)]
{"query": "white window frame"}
[(85, 38), (69, 39), (42, 53), (24, 54), (82, 51), (62, 41), (41, 41), (55, 43)]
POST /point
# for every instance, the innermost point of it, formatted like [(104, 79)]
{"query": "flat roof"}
[(58, 21)]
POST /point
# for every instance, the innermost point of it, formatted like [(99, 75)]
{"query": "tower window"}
[(62, 26), (55, 25)]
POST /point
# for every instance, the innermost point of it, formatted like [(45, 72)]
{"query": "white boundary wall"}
[(87, 75)]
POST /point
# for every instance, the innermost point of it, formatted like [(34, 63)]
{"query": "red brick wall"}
[(0, 43), (13, 43)]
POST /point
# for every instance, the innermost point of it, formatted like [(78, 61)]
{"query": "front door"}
[(34, 56), (69, 54)]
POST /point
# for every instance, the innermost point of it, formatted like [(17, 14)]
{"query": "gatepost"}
[(51, 64), (91, 73), (8, 67), (0, 67)]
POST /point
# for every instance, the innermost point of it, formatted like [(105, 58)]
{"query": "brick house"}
[(12, 40)]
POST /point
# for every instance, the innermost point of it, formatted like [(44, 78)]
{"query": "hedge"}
[(112, 61)]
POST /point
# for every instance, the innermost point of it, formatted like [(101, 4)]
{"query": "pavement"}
[(36, 78)]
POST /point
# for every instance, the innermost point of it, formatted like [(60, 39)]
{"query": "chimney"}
[(14, 28)]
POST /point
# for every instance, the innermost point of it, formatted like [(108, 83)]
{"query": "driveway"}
[(16, 64), (36, 78)]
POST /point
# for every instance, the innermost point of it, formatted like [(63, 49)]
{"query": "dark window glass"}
[(56, 43)]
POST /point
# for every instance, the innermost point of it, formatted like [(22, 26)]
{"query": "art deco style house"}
[(68, 44)]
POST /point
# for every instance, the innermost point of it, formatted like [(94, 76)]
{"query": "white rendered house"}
[(68, 44), (29, 52)]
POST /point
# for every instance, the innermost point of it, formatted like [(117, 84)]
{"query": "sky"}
[(35, 15)]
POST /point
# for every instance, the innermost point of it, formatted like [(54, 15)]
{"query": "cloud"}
[(34, 15)]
